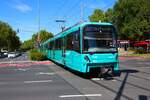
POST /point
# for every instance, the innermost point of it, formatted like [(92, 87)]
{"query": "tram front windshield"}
[(99, 38)]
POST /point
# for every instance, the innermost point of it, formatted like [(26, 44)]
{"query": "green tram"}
[(86, 47)]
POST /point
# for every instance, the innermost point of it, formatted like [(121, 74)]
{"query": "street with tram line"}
[(48, 81)]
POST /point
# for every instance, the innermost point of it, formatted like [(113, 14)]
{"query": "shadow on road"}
[(129, 71), (120, 91), (143, 97)]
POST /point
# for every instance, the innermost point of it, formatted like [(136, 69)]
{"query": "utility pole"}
[(38, 37), (82, 12)]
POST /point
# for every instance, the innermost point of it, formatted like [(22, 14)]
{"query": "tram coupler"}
[(105, 72)]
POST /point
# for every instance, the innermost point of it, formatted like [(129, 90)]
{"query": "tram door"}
[(64, 50)]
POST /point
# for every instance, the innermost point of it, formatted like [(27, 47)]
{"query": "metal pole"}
[(39, 21), (82, 12)]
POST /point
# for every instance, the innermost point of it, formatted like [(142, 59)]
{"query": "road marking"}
[(43, 81), (20, 69), (85, 95), (43, 73), (95, 79), (113, 80)]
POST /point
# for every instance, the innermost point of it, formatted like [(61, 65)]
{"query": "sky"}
[(24, 14)]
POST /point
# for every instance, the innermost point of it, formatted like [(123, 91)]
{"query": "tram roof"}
[(74, 28)]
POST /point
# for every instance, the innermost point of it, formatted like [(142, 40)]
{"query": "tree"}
[(29, 44), (8, 37), (97, 16), (44, 35), (109, 15), (132, 18)]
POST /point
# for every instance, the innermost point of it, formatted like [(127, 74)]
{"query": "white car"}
[(5, 53), (12, 55)]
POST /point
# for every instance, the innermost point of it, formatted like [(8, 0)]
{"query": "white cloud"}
[(22, 7), (19, 5)]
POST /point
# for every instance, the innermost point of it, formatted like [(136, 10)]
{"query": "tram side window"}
[(56, 44), (49, 46), (59, 43), (45, 46), (70, 42), (52, 45), (76, 41)]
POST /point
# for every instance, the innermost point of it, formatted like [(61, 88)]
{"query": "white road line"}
[(85, 95), (113, 80), (95, 79), (43, 73), (43, 81), (20, 69)]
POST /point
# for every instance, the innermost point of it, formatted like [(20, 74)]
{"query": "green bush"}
[(139, 50), (36, 55)]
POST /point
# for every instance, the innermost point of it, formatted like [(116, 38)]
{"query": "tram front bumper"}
[(111, 68)]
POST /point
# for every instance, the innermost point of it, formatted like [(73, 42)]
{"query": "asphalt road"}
[(43, 81)]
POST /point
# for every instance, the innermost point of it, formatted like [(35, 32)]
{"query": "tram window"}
[(69, 42), (56, 44), (59, 44), (52, 43), (76, 41), (45, 46), (49, 45)]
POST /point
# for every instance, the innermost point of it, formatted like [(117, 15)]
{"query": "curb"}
[(13, 62)]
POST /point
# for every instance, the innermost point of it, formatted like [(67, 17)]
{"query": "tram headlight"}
[(87, 58)]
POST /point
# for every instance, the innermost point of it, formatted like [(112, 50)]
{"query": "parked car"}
[(148, 40), (12, 54), (18, 53), (5, 53)]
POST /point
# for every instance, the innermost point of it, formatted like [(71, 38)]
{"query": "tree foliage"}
[(8, 37), (44, 35), (98, 15), (109, 15), (132, 18), (29, 44)]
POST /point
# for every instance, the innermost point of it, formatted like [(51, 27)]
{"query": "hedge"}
[(36, 55)]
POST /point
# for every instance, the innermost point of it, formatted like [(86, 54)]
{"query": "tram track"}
[(140, 77), (123, 82), (137, 86), (112, 90)]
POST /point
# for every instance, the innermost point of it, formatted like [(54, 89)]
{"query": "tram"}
[(85, 47)]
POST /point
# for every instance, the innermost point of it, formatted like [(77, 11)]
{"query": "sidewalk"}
[(23, 63)]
